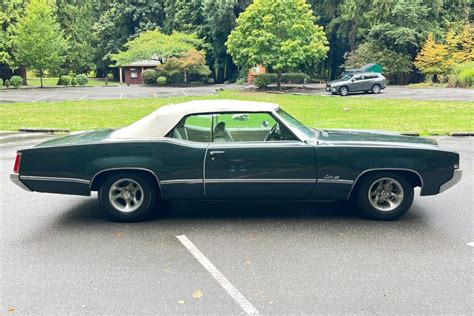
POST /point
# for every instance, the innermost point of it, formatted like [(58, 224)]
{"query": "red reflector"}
[(16, 166)]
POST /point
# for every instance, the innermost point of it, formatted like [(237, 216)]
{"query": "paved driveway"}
[(61, 256), (96, 93)]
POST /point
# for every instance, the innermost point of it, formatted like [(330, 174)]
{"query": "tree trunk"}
[(41, 78), (279, 80)]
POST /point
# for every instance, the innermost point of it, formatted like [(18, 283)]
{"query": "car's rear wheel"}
[(343, 91), (384, 196), (127, 197), (376, 89)]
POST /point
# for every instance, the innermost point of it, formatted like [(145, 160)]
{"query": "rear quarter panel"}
[(349, 162)]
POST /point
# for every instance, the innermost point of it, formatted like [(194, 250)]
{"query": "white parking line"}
[(218, 276), (36, 100), (154, 95), (82, 98), (470, 244), (184, 93), (121, 96)]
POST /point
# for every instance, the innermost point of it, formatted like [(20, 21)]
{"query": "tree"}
[(76, 19), (154, 44), (394, 64), (460, 46), (182, 69), (431, 60), (9, 15), (280, 34), (39, 41)]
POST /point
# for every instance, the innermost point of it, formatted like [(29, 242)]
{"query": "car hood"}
[(78, 138), (336, 82), (374, 138)]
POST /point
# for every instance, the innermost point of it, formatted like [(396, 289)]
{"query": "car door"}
[(267, 166), (357, 83)]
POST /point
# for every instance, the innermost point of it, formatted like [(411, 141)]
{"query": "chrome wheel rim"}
[(126, 195), (385, 194), (343, 91), (376, 89)]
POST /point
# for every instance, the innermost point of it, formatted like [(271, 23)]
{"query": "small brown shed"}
[(132, 73)]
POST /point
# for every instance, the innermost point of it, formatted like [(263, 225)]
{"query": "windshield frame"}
[(303, 132)]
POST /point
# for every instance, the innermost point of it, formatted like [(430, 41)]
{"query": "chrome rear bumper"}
[(455, 179), (15, 178)]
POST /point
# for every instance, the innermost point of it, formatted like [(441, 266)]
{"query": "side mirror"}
[(353, 79)]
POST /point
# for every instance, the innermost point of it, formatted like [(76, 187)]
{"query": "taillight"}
[(16, 166)]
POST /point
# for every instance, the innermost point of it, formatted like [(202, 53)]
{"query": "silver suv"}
[(357, 82)]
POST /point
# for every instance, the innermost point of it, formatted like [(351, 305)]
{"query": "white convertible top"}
[(161, 121)]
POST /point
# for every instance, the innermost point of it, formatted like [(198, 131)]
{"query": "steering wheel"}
[(272, 132)]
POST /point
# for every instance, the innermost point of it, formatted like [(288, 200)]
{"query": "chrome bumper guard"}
[(455, 179), (15, 178)]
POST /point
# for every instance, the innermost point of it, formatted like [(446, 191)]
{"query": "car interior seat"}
[(221, 134)]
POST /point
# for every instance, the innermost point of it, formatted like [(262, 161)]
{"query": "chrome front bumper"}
[(15, 178), (455, 179)]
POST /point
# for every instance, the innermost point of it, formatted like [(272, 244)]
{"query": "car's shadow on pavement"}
[(184, 212)]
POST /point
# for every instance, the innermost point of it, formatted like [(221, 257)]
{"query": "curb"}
[(462, 134), (43, 130)]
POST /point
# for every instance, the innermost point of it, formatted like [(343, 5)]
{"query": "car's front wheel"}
[(127, 197), (343, 91), (384, 196), (376, 89)]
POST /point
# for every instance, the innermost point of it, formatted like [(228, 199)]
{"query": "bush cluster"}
[(82, 79), (465, 74), (161, 81), (16, 81), (64, 80), (263, 80), (149, 76), (295, 77)]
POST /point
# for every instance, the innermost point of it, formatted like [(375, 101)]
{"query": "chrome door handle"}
[(216, 152)]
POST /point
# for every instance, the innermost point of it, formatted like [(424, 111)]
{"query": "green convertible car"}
[(225, 149)]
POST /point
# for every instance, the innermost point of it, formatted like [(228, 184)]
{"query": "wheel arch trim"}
[(128, 169), (384, 169)]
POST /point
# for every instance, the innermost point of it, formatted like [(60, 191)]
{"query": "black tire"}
[(376, 88), (343, 91), (367, 207), (145, 193)]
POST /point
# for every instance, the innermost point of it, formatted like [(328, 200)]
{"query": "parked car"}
[(223, 149), (357, 82)]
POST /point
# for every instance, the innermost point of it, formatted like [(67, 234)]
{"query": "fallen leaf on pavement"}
[(197, 294), (180, 302), (11, 309), (117, 234)]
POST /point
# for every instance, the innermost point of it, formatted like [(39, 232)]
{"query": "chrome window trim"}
[(383, 169), (54, 179)]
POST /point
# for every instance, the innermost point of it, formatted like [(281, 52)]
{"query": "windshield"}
[(295, 124), (347, 77)]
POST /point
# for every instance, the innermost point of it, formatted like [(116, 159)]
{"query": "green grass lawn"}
[(425, 117), (51, 82)]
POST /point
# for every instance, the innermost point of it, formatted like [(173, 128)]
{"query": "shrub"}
[(295, 77), (82, 79), (241, 81), (161, 81), (16, 81), (263, 80), (73, 81), (7, 83), (210, 81), (149, 76), (64, 80), (465, 74), (110, 76)]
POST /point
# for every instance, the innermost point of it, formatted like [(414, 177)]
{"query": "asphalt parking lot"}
[(59, 255), (98, 93), (140, 91)]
